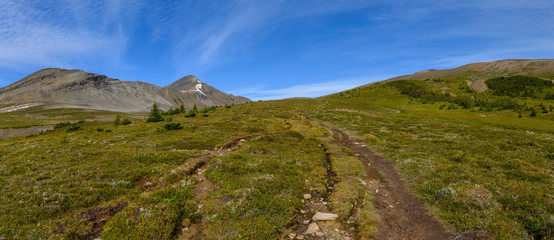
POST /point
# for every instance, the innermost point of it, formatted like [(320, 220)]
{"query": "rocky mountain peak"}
[(187, 83)]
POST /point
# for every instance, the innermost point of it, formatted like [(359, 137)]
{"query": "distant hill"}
[(476, 74), (524, 86), (76, 88)]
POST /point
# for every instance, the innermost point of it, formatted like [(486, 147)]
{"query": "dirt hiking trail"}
[(195, 168), (402, 216)]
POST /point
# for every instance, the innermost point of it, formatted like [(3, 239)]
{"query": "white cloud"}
[(237, 25), (42, 34), (208, 42), (306, 90)]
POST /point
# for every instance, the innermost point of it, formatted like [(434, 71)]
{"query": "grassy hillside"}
[(478, 161)]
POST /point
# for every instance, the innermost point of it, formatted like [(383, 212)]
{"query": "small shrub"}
[(99, 129), (73, 128), (61, 125), (191, 113), (126, 121), (173, 126)]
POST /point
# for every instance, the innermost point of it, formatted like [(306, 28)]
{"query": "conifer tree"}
[(155, 115), (117, 120)]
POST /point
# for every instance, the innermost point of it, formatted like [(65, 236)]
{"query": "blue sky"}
[(268, 49)]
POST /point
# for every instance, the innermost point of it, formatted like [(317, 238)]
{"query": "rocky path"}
[(315, 221), (402, 215)]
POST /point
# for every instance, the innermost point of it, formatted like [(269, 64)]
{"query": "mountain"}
[(477, 73), (81, 89), (191, 89)]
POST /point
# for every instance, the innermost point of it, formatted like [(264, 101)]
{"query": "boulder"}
[(319, 216), (312, 229)]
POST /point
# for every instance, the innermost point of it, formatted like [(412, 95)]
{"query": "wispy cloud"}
[(43, 33), (210, 41), (306, 90), (241, 24)]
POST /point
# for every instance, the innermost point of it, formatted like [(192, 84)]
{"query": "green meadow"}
[(477, 161)]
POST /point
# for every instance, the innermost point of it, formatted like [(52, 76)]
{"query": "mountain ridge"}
[(95, 91)]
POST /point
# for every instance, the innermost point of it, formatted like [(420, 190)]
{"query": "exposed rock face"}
[(75, 87)]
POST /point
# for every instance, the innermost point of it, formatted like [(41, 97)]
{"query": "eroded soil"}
[(97, 217)]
